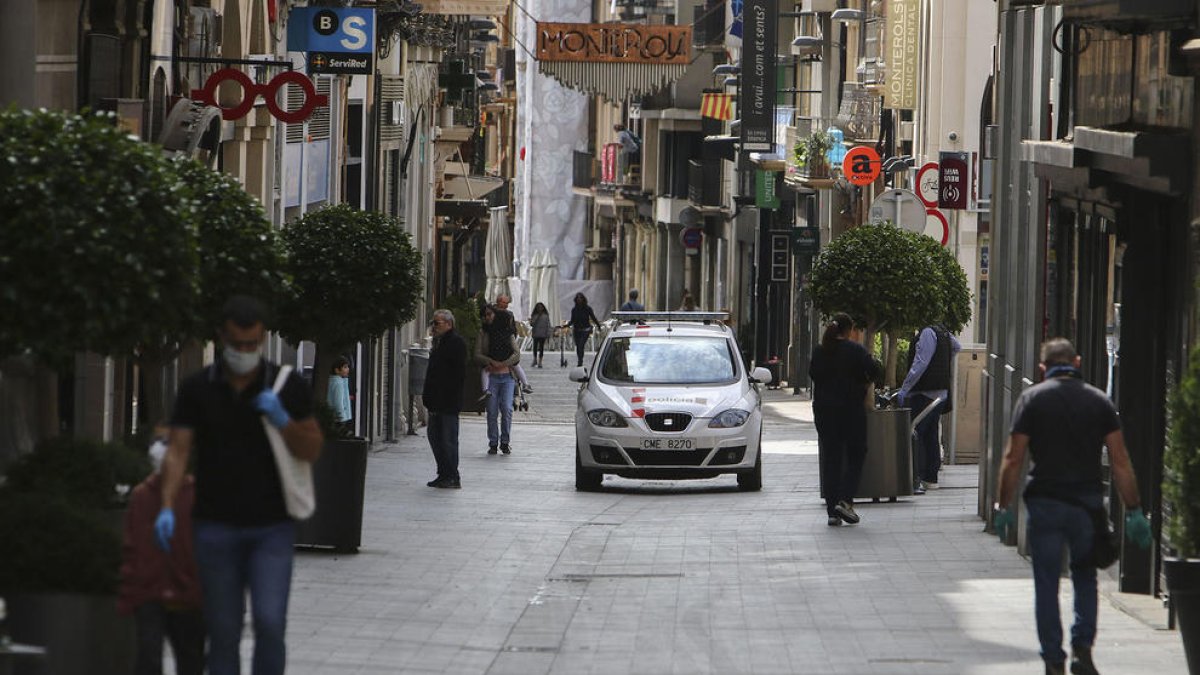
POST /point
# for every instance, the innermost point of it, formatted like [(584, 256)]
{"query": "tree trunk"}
[(890, 365)]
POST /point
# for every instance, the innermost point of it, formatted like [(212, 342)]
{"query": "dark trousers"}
[(443, 440), (581, 338), (927, 453), (184, 628), (1052, 524), (539, 349), (842, 437)]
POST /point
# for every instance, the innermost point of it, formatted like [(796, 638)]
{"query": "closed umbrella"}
[(498, 255), (549, 288), (536, 268)]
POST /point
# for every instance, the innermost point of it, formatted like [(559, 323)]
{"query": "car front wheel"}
[(751, 481), (586, 480)]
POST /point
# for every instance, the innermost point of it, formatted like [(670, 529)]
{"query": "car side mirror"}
[(579, 374), (760, 375)]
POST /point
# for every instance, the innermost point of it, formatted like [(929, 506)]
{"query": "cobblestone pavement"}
[(517, 573)]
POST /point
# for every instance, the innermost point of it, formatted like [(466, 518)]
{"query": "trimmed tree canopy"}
[(894, 280), (355, 275), (1181, 462), (97, 249)]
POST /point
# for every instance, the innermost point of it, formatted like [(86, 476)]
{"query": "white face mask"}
[(241, 363)]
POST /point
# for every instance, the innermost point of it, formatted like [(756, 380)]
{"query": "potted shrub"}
[(355, 274), (61, 504), (809, 153), (1181, 489)]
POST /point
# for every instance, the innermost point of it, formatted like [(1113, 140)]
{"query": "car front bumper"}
[(699, 451)]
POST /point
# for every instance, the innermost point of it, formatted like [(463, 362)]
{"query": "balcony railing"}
[(582, 171), (704, 182)]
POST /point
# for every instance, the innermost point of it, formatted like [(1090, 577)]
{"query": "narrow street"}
[(517, 573)]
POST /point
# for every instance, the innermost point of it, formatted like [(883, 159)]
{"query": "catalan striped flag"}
[(717, 106)]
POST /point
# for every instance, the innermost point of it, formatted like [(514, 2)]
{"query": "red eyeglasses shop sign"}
[(338, 40), (953, 180)]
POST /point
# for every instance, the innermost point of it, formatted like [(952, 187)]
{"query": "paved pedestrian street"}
[(518, 573)]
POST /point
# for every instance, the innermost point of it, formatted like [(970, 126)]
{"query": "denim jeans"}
[(230, 560), (443, 440), (501, 401), (581, 340), (927, 455), (1052, 524)]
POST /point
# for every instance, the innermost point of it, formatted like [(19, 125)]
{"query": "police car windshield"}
[(668, 360)]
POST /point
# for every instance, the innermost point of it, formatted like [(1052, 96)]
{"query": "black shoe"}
[(1055, 668), (834, 521), (434, 483), (491, 449), (505, 449), (444, 483), (845, 511), (1081, 661)]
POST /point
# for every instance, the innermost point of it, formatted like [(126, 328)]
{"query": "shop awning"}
[(1148, 160)]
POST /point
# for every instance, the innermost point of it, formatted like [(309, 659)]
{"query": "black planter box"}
[(1183, 586), (82, 634), (339, 477)]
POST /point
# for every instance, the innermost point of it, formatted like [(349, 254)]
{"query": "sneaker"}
[(505, 449), (1081, 662), (929, 485), (834, 521), (846, 512), (919, 489), (491, 449), (526, 389)]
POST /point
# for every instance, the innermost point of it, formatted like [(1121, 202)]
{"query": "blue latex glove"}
[(268, 403), (1137, 528), (164, 528), (1003, 520)]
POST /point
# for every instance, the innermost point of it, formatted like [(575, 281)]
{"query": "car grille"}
[(673, 421), (668, 457)]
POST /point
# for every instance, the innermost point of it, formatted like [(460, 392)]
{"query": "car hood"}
[(698, 400)]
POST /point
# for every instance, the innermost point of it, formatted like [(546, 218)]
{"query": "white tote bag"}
[(295, 474)]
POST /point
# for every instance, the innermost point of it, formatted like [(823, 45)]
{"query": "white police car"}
[(668, 398)]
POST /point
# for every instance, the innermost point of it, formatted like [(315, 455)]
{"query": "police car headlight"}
[(603, 417), (729, 419)]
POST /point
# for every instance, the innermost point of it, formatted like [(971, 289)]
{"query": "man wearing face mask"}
[(243, 534)]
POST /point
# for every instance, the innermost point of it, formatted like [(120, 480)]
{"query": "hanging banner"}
[(765, 196), (757, 100), (614, 43), (900, 91)]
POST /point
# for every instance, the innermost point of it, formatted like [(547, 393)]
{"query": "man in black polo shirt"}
[(243, 533), (1065, 423)]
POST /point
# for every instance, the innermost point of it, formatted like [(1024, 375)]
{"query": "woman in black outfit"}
[(582, 318), (841, 370)]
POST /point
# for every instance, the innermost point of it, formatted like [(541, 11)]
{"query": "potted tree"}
[(355, 275), (98, 254), (1181, 490)]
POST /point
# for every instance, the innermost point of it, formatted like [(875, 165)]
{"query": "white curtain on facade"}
[(497, 256), (548, 214)]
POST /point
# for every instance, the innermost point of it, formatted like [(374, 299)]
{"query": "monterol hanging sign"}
[(614, 43), (900, 91)]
